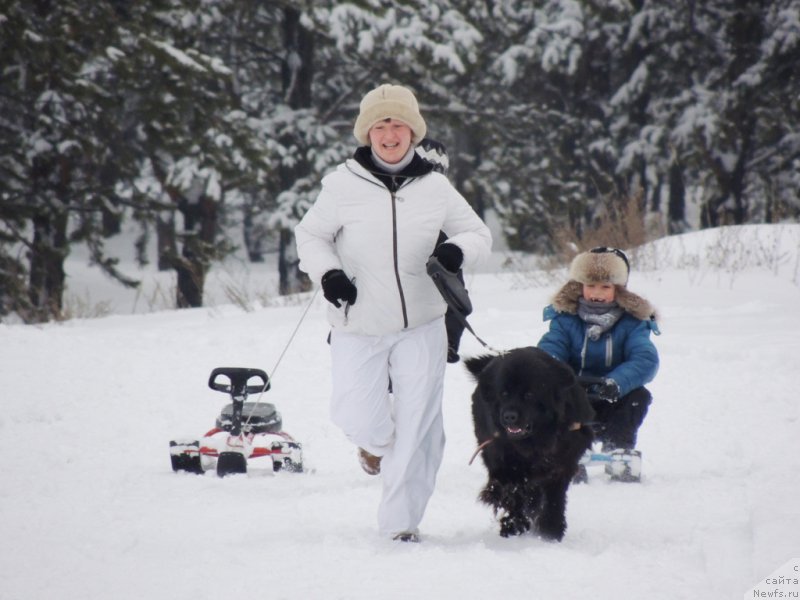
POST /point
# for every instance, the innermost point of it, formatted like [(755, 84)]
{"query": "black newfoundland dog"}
[(531, 420)]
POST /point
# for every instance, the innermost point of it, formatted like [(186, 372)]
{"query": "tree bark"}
[(166, 243), (47, 253), (676, 209), (200, 224), (297, 70)]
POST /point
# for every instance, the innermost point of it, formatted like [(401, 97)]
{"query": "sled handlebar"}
[(238, 378)]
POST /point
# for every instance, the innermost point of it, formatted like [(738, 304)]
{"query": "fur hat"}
[(389, 102), (566, 301), (600, 265)]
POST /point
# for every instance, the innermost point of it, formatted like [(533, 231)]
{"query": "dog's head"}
[(526, 393)]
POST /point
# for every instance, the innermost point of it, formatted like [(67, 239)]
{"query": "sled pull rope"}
[(283, 352)]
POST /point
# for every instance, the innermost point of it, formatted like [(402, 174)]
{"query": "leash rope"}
[(283, 352), (479, 448), (454, 293), (463, 320)]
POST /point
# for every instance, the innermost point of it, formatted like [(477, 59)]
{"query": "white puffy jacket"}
[(382, 241)]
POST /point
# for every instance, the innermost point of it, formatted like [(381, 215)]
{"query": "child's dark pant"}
[(619, 422)]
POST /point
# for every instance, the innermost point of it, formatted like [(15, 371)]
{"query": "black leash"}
[(466, 324), (455, 295)]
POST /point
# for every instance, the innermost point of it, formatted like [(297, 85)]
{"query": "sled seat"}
[(257, 417)]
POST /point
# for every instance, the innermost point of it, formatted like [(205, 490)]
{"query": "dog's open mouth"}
[(518, 432)]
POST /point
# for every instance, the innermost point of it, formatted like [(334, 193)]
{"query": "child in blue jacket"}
[(602, 329)]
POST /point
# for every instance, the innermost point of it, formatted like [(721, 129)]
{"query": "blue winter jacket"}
[(625, 353)]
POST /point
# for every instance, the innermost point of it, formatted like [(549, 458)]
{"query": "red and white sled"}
[(244, 432)]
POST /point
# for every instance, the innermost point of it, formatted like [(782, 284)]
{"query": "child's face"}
[(599, 292)]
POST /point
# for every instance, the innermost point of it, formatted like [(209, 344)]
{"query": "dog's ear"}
[(477, 364), (577, 408)]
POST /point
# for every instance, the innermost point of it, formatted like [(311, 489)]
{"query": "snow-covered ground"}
[(90, 510)]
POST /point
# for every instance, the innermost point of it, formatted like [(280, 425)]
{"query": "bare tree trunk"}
[(200, 224), (166, 243), (49, 247), (47, 253), (292, 279), (255, 236), (676, 218), (746, 30), (298, 73)]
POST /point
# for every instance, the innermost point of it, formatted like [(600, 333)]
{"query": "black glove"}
[(449, 255), (608, 390), (337, 286)]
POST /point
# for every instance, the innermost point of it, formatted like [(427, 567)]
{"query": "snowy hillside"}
[(90, 510)]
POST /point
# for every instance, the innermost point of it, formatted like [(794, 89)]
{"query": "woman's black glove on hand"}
[(337, 286), (450, 256)]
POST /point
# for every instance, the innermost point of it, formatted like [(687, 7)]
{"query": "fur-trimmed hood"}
[(566, 301)]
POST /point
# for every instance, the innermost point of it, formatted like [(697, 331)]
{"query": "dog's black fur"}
[(529, 404)]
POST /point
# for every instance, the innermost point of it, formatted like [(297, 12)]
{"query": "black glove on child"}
[(337, 286), (450, 256), (608, 390)]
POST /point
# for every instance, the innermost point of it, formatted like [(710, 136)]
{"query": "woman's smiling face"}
[(390, 139)]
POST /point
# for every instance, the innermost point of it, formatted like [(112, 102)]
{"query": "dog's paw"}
[(493, 494), (551, 530), (514, 525)]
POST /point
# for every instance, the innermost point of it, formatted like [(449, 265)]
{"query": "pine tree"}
[(130, 119), (55, 166)]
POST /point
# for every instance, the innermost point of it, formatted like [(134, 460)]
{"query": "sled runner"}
[(244, 431), (619, 464)]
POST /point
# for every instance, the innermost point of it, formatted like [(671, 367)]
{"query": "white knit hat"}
[(389, 102), (600, 265)]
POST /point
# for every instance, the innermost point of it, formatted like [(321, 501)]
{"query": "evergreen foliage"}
[(199, 118)]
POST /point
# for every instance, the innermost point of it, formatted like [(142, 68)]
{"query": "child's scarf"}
[(600, 316)]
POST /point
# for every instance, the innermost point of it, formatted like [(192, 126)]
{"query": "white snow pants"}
[(406, 427)]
